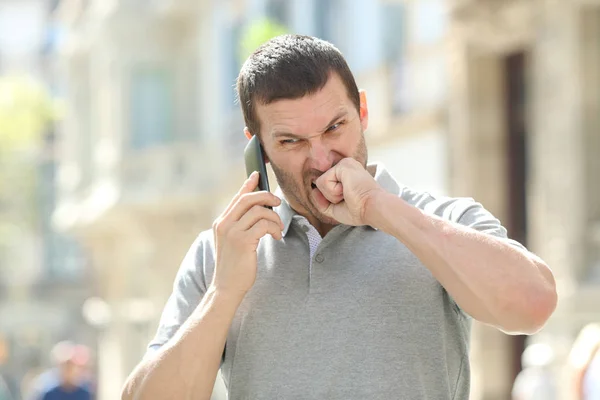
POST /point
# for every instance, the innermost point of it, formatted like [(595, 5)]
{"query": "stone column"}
[(557, 195), (477, 154)]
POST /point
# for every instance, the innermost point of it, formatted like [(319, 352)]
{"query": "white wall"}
[(419, 162)]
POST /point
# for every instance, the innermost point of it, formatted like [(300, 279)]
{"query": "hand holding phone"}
[(237, 234)]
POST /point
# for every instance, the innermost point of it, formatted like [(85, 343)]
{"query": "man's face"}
[(70, 373), (305, 137)]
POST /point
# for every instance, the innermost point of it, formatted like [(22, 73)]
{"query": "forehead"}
[(306, 114)]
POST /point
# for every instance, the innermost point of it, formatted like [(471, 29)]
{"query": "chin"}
[(322, 218)]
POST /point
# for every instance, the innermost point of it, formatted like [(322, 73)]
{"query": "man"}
[(5, 392), (584, 363), (67, 381), (354, 286)]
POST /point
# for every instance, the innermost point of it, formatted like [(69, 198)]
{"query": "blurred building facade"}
[(525, 109), (151, 147), (43, 279)]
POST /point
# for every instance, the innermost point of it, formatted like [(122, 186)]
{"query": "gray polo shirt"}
[(361, 319)]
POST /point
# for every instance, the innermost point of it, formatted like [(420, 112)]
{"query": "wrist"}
[(223, 294), (375, 203)]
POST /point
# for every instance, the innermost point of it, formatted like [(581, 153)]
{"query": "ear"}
[(363, 110), (249, 136)]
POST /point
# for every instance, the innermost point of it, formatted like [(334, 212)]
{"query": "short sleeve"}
[(461, 210), (475, 216), (188, 289)]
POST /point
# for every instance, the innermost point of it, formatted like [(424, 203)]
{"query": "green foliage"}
[(26, 109), (257, 33)]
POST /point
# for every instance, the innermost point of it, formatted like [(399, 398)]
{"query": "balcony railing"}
[(179, 170)]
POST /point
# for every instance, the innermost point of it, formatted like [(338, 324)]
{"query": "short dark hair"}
[(290, 67)]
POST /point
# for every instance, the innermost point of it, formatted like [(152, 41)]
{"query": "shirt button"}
[(305, 228), (319, 258)]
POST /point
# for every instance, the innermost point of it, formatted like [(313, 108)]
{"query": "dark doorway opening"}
[(516, 135)]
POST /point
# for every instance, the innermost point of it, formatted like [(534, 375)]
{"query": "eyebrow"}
[(338, 116)]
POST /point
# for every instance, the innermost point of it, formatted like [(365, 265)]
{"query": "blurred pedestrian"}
[(67, 380), (536, 381), (344, 284), (585, 362), (5, 391)]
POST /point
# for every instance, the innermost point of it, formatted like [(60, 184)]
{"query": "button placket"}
[(314, 241)]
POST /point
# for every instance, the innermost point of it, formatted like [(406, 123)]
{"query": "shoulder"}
[(203, 246), (84, 392), (464, 211), (198, 264), (456, 209), (47, 382)]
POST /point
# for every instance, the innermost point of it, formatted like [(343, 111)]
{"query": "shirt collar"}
[(381, 175)]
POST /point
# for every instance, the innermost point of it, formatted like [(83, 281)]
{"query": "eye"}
[(289, 141), (334, 126)]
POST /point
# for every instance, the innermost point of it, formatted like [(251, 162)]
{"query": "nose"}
[(321, 157)]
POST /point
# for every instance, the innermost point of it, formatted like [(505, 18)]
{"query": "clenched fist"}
[(344, 192)]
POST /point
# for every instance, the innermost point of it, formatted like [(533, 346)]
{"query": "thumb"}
[(323, 205)]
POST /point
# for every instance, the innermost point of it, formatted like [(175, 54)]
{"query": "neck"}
[(68, 386), (321, 227)]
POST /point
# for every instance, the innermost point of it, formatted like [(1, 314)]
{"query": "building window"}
[(394, 44), (279, 11), (413, 41), (393, 31), (152, 98), (83, 124), (324, 19), (234, 57)]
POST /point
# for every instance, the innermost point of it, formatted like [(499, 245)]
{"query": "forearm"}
[(186, 367), (490, 279)]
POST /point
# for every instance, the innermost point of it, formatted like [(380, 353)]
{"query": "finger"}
[(247, 200), (262, 227), (330, 185), (332, 190), (248, 186), (255, 214), (323, 205)]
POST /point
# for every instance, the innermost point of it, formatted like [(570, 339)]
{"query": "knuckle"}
[(241, 200), (218, 226), (245, 198)]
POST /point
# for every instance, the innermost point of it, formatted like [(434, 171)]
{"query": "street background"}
[(120, 140)]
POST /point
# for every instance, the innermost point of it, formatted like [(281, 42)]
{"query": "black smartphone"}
[(255, 161)]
